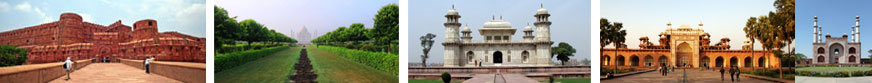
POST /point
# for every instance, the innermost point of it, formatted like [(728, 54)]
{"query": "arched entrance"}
[(704, 62), (619, 60), (634, 60), (649, 61), (748, 62), (525, 56), (719, 62), (684, 54), (470, 56), (761, 62), (663, 60), (851, 59), (820, 59), (836, 50), (498, 57), (606, 60), (734, 62)]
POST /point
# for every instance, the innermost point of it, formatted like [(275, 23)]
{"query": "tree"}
[(256, 32), (774, 30), (427, 43), (585, 61), (870, 55), (386, 24), (446, 77), (11, 55), (563, 52), (613, 33), (800, 57)]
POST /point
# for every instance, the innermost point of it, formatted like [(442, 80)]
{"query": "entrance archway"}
[(851, 59), (719, 62), (634, 61), (649, 61), (836, 50), (734, 62), (820, 59), (606, 60), (663, 60), (684, 54), (748, 62), (704, 62), (498, 57), (619, 60), (761, 62)]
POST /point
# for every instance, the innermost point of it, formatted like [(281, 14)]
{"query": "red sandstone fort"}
[(71, 37)]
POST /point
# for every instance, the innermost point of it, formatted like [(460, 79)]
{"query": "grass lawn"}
[(834, 69), (335, 69), (274, 68), (572, 80), (428, 81)]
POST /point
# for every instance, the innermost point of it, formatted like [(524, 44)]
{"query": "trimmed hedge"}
[(835, 73), (383, 61), (230, 60), (244, 46)]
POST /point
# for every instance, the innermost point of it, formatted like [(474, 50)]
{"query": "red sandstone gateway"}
[(71, 37)]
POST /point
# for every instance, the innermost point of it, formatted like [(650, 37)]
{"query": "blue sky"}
[(289, 16), (836, 17), (570, 18), (184, 16), (720, 18)]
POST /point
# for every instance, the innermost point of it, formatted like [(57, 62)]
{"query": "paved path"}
[(113, 73), (504, 78), (804, 79), (693, 76)]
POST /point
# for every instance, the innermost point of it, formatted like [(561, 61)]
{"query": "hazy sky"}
[(184, 16), (570, 18), (720, 18), (836, 17), (289, 16)]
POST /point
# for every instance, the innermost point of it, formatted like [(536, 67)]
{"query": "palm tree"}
[(612, 33)]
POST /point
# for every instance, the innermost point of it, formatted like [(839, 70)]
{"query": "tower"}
[(815, 32), (857, 29), (466, 37), (543, 35), (452, 48), (528, 33)]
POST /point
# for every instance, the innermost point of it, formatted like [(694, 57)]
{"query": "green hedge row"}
[(230, 60), (367, 46), (835, 73), (243, 47), (379, 60)]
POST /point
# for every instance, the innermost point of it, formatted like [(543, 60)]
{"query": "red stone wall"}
[(71, 37)]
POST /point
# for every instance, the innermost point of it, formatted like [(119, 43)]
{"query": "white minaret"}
[(816, 33), (451, 27), (857, 28), (466, 37), (543, 35), (542, 24), (700, 24), (528, 33)]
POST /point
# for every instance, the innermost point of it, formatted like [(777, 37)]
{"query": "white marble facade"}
[(497, 48)]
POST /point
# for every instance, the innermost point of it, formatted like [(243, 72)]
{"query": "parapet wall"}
[(188, 72), (37, 73)]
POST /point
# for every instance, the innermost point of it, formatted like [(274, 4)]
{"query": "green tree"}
[(775, 30), (427, 43), (563, 52), (256, 32), (386, 24), (11, 55), (612, 33)]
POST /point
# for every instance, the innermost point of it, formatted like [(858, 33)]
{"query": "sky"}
[(183, 16), (720, 18), (570, 22), (836, 17), (289, 16)]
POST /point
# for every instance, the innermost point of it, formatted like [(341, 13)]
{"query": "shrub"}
[(230, 60), (383, 61), (446, 77)]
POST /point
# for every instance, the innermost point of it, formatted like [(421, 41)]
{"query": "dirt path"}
[(335, 69), (304, 72)]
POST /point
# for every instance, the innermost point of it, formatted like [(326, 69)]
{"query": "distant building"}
[(833, 50), (71, 37), (303, 37)]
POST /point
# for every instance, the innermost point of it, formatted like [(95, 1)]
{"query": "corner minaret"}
[(451, 27), (857, 28), (816, 33), (542, 24)]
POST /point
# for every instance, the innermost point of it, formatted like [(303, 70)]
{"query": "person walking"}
[(732, 72), (738, 71), (68, 65), (722, 74)]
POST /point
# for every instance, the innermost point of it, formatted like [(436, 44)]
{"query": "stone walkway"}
[(693, 76), (504, 78), (804, 79), (113, 73)]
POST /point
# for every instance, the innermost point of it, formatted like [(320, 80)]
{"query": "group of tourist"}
[(665, 69), (734, 73)]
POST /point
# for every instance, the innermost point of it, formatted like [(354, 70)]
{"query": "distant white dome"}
[(497, 24), (452, 12), (542, 11), (528, 28), (466, 29)]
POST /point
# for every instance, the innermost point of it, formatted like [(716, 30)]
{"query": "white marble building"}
[(837, 50), (498, 49)]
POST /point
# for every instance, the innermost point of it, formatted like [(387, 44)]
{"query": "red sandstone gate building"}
[(71, 37), (690, 48)]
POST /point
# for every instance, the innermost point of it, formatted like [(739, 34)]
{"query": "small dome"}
[(466, 29), (542, 11), (643, 38), (497, 24), (528, 28), (452, 12), (684, 26)]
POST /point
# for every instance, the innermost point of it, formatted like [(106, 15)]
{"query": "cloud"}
[(23, 6), (4, 6), (45, 18), (85, 17)]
